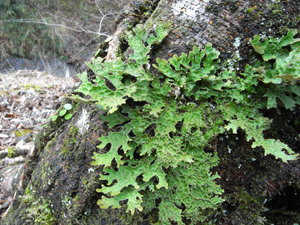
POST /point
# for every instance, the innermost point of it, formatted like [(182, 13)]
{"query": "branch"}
[(53, 24), (103, 16)]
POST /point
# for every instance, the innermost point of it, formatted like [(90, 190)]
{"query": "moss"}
[(72, 129), (38, 210), (277, 19), (65, 150), (250, 9)]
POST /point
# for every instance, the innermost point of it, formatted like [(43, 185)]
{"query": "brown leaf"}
[(11, 115), (3, 109)]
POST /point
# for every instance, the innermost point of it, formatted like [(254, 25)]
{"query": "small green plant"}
[(63, 112), (161, 122), (10, 152)]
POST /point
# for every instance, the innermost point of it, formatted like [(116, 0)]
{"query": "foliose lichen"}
[(154, 156)]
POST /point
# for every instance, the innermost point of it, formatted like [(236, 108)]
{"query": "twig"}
[(103, 16), (42, 17), (53, 24), (7, 60), (6, 212)]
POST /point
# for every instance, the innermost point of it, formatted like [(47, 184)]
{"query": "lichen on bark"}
[(250, 180)]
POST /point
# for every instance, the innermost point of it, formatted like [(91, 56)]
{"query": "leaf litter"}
[(27, 100)]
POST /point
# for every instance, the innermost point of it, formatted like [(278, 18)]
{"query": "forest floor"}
[(27, 100)]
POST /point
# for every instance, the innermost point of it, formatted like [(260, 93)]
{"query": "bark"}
[(59, 181)]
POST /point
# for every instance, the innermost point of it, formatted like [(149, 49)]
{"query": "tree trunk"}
[(59, 183)]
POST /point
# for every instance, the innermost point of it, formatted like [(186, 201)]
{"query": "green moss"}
[(73, 130), (250, 9), (276, 8), (38, 210), (70, 141), (65, 150)]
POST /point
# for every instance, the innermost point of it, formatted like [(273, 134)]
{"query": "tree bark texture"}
[(59, 177)]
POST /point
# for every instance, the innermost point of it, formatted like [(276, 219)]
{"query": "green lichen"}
[(285, 70), (155, 157)]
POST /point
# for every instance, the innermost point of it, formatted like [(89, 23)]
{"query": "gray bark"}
[(59, 176)]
